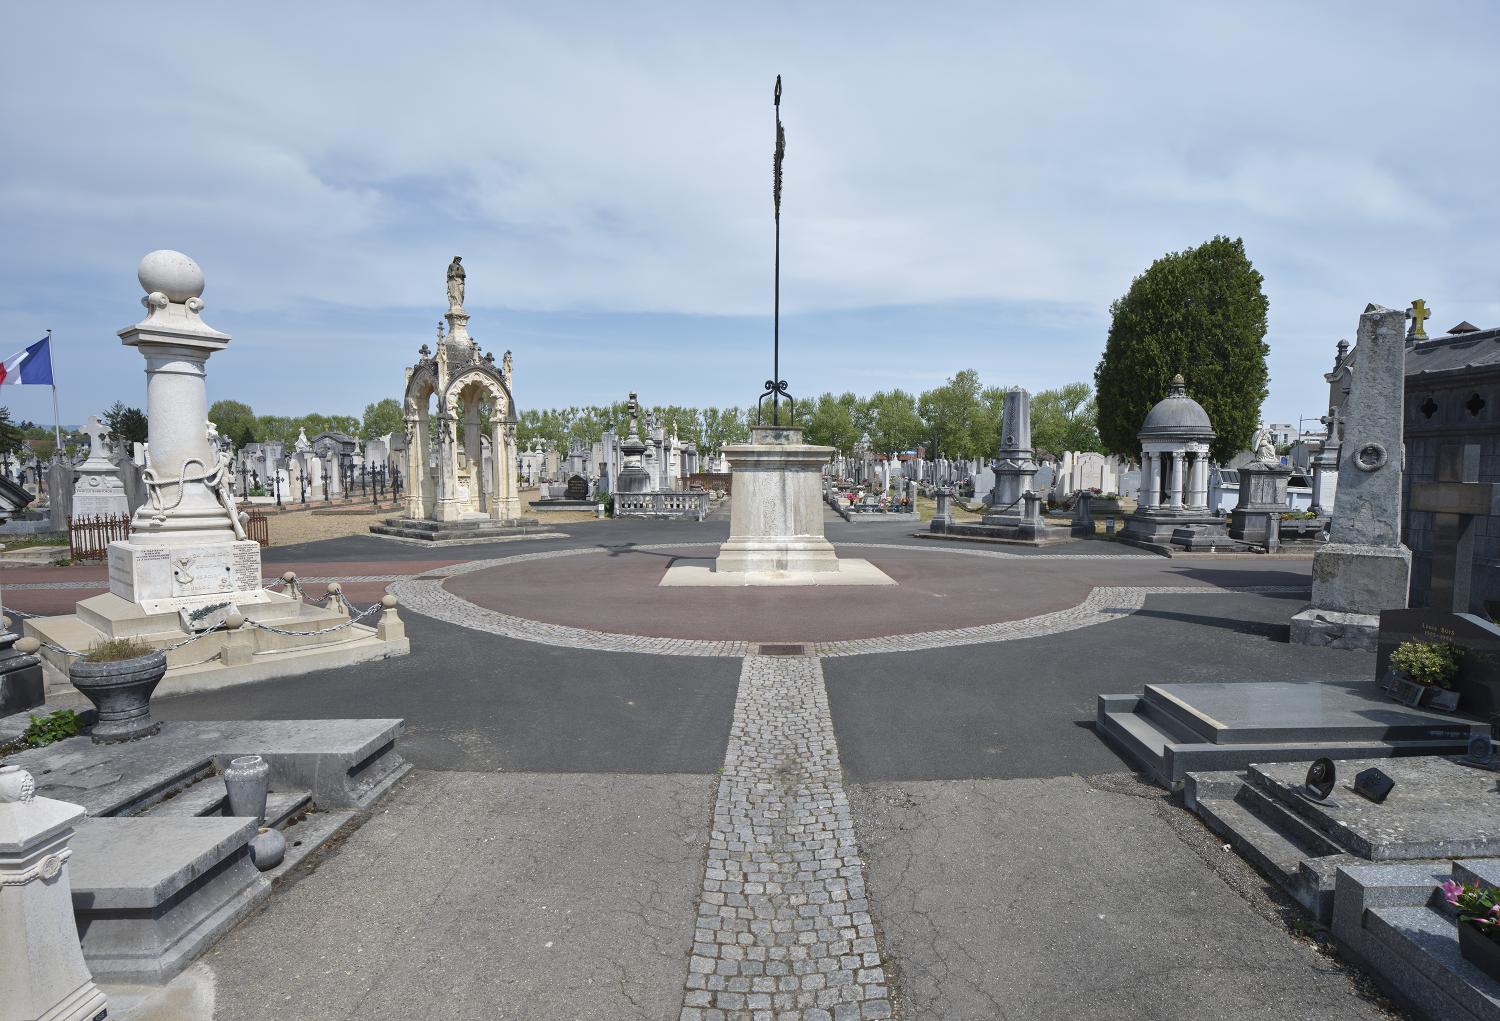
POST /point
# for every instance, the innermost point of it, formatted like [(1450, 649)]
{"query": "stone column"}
[(1198, 497), (415, 469), (448, 508), (176, 344), (1174, 498), (42, 971), (1364, 568)]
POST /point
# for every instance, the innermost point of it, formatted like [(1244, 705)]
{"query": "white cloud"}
[(616, 159)]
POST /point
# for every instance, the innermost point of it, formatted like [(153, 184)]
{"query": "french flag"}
[(33, 365)]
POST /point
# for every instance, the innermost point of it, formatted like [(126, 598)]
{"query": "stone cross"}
[(1455, 500), (97, 434), (1420, 313)]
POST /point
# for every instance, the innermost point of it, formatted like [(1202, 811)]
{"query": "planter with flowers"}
[(1478, 924), (1421, 673)]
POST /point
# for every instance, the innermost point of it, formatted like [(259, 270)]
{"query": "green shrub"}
[(117, 649), (55, 726), (1432, 663)]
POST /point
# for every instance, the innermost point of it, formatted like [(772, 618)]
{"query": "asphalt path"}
[(543, 859)]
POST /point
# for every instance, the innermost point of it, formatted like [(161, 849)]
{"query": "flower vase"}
[(1479, 950), (1442, 699), (247, 779), (121, 692)]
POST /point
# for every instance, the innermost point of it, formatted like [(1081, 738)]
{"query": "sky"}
[(967, 186)]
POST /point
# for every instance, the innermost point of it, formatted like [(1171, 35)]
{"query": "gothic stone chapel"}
[(460, 461)]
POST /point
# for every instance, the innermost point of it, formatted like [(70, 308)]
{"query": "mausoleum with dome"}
[(1173, 502)]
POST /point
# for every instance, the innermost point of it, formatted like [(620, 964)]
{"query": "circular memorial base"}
[(618, 591)]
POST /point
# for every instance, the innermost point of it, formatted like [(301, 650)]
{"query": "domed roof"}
[(1177, 417)]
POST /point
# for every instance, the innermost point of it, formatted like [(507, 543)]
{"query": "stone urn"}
[(121, 692), (247, 779)]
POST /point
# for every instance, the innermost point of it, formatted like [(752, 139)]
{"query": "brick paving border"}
[(425, 594), (783, 930)]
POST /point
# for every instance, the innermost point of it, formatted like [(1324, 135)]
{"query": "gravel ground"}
[(293, 527)]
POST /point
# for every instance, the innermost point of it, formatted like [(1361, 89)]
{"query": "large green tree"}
[(128, 425), (953, 413), (11, 437), (1202, 313), (1064, 419), (233, 419), (834, 421), (382, 417), (893, 422)]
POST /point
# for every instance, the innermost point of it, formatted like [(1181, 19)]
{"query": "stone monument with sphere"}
[(187, 564)]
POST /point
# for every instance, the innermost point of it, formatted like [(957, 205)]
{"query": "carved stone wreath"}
[(1371, 457)]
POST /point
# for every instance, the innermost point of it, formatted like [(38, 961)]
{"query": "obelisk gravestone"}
[(1364, 568)]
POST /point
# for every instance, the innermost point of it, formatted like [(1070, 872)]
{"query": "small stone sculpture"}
[(1265, 449), (456, 282)]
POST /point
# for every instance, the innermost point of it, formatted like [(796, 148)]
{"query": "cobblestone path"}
[(783, 929)]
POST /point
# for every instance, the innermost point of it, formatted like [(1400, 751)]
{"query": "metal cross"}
[(1420, 313)]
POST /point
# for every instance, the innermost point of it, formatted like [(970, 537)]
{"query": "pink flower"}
[(1451, 890)]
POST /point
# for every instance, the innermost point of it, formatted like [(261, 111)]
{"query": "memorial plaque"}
[(578, 488), (246, 566), (203, 572), (1478, 678)]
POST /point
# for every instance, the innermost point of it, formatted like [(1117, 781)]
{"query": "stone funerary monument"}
[(461, 459), (187, 563)]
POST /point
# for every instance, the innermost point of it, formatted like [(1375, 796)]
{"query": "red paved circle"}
[(617, 591)]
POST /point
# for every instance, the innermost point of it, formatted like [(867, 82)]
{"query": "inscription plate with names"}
[(203, 573), (246, 566)]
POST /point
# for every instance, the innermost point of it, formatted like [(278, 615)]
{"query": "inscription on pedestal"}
[(246, 566), (205, 573)]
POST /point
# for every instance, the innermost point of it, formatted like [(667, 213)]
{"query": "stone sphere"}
[(388, 601), (171, 273)]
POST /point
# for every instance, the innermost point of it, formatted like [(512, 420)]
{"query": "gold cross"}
[(1420, 313)]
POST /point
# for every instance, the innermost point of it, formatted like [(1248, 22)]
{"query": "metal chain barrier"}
[(355, 619), (321, 631)]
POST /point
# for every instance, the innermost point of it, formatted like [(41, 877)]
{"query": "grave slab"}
[(1172, 729), (1438, 809)]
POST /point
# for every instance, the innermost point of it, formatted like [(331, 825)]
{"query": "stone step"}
[(1143, 743), (1295, 828), (1284, 848), (1426, 941), (209, 798), (1171, 730)]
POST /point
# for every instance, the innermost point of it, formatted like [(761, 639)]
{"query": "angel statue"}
[(1265, 449)]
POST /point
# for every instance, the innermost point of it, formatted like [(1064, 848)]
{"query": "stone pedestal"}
[(944, 514), (1351, 584), (776, 510), (42, 972), (776, 520), (1262, 497), (21, 685)]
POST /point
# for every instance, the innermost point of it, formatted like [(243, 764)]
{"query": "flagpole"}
[(56, 418)]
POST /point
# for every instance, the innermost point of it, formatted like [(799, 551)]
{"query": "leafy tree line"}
[(960, 419), (243, 426), (711, 429)]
